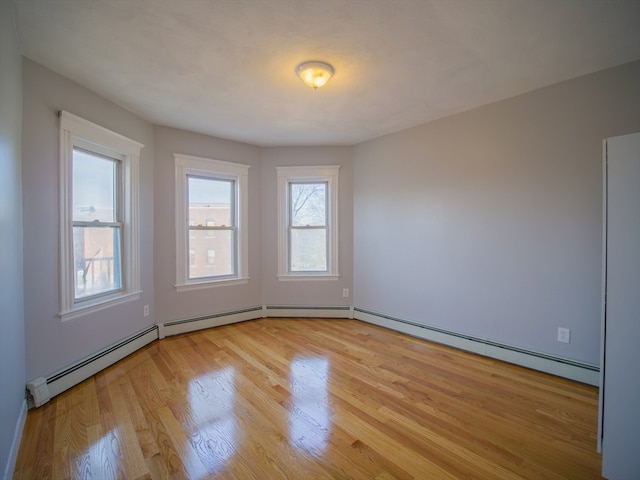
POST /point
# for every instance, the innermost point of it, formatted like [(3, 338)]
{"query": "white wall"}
[(51, 343), (489, 223), (170, 304), (306, 293), (12, 342)]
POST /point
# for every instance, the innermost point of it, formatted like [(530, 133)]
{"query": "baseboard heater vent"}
[(307, 312), (41, 389), (562, 367), (177, 327)]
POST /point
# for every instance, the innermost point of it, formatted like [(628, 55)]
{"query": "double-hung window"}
[(97, 224), (211, 222), (99, 248), (307, 221)]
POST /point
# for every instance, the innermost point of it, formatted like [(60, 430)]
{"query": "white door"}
[(621, 342)]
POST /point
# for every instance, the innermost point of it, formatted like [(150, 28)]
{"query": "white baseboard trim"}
[(208, 321), (15, 443), (562, 367)]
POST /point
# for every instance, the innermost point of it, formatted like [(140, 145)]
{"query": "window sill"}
[(185, 287), (306, 277), (97, 305)]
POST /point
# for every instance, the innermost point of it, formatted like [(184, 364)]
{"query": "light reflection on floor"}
[(309, 418), (211, 399), (104, 453)]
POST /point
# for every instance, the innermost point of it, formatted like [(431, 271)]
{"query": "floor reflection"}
[(309, 418), (102, 459), (211, 399)]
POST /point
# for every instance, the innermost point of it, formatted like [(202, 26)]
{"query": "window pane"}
[(96, 260), (210, 201), (211, 256), (308, 204), (94, 187), (309, 250)]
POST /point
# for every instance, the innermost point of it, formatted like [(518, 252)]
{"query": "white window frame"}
[(81, 133), (187, 165), (308, 174)]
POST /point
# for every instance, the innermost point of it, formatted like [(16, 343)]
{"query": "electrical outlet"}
[(564, 335), (345, 292), (146, 310)]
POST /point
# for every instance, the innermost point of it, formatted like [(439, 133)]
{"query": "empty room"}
[(295, 239)]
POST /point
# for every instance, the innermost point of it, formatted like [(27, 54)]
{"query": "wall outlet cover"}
[(564, 335)]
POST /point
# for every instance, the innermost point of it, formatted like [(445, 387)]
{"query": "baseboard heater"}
[(307, 312), (186, 325), (178, 327), (562, 367), (42, 389)]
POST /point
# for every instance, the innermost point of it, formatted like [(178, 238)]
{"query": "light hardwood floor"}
[(312, 399)]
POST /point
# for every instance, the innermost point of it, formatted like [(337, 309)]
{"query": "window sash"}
[(192, 255), (187, 166), (204, 227), (116, 225), (291, 214), (290, 249), (116, 179), (211, 229), (319, 226), (114, 269)]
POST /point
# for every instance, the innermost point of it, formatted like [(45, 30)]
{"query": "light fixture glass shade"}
[(315, 74)]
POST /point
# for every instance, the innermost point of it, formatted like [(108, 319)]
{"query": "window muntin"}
[(99, 238), (211, 222), (308, 222)]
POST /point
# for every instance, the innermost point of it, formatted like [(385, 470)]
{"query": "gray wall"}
[(52, 344), (12, 342), (306, 293), (263, 287), (173, 305), (489, 222)]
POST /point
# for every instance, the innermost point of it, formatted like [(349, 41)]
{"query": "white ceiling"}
[(226, 67)]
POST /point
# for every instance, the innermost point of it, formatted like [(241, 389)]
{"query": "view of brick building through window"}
[(210, 250), (96, 256), (211, 229)]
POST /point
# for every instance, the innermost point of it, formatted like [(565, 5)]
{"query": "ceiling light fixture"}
[(315, 74)]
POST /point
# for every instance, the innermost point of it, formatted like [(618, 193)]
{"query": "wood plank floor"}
[(312, 399)]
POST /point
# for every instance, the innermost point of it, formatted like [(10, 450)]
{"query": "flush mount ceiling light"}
[(315, 74)]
